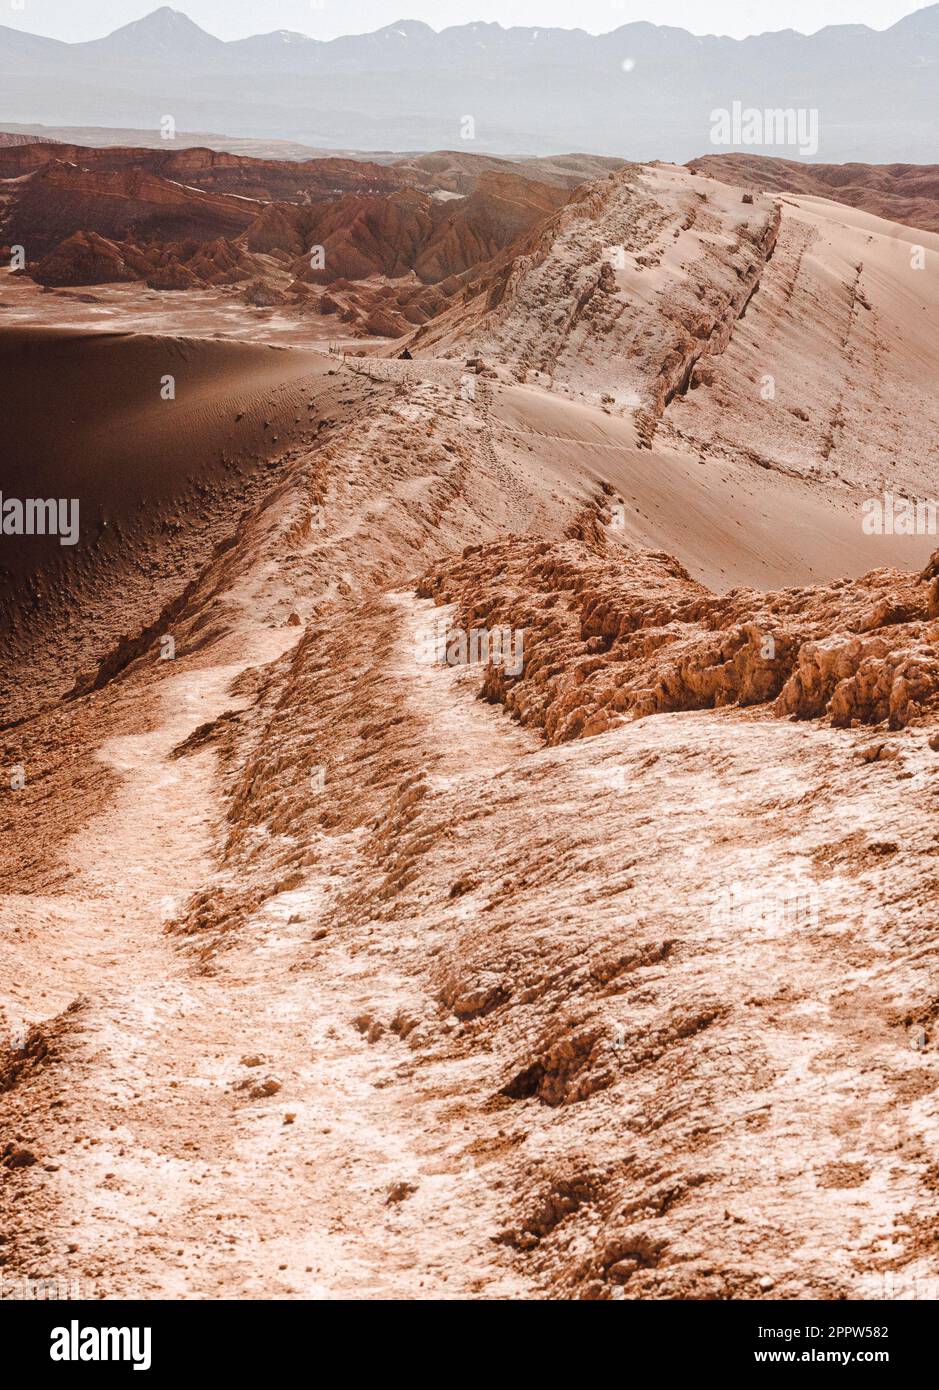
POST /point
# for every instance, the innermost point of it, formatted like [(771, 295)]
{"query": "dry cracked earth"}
[(339, 961)]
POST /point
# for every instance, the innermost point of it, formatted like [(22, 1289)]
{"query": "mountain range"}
[(642, 91)]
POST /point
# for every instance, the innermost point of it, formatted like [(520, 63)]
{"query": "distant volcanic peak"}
[(407, 28), (166, 30), (481, 26), (880, 108), (924, 21), (284, 42), (166, 33)]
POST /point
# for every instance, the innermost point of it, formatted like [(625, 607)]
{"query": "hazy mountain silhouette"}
[(642, 91)]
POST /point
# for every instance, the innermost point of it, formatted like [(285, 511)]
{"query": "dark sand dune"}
[(162, 442)]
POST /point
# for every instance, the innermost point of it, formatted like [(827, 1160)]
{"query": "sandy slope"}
[(845, 325), (164, 441), (729, 522), (799, 335), (645, 1014), (185, 1183)]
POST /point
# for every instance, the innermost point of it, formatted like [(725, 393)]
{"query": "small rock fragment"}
[(399, 1192), (18, 1158), (269, 1087)]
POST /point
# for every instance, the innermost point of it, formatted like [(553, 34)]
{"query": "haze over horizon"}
[(638, 92), (325, 19)]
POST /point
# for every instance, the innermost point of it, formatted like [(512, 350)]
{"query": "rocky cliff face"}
[(216, 170), (9, 140), (61, 198), (410, 231), (624, 290)]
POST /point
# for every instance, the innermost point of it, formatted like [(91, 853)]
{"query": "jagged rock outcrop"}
[(408, 232), (84, 259), (177, 235), (614, 634), (262, 295), (89, 259)]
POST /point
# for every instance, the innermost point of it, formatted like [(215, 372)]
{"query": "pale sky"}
[(325, 19)]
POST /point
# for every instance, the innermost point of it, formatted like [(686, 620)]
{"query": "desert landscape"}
[(469, 725)]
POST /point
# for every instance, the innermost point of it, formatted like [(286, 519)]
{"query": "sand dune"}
[(163, 442), (728, 521), (158, 480)]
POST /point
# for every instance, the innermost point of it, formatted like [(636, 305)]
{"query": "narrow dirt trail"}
[(144, 1014), (475, 740), (232, 1132)]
